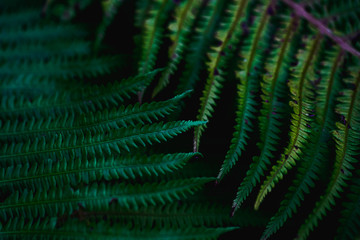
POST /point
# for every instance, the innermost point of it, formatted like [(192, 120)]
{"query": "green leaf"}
[(300, 128)]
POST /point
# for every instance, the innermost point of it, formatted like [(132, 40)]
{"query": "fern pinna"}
[(81, 156)]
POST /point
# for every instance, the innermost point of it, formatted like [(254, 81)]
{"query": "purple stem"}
[(300, 11)]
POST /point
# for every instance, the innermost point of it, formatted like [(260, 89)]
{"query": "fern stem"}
[(300, 11), (289, 33)]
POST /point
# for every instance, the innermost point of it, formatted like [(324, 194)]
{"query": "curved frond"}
[(347, 138), (273, 88), (313, 158), (302, 103), (185, 16), (250, 69), (217, 58)]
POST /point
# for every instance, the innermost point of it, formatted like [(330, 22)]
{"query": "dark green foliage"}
[(88, 106), (74, 143), (273, 109)]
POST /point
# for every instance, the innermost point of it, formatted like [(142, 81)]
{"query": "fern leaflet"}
[(271, 113), (300, 127), (249, 77), (214, 81), (347, 144)]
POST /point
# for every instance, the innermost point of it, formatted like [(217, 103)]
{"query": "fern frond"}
[(59, 146), (347, 138), (307, 173), (216, 64), (102, 121), (60, 201), (249, 81), (184, 18), (300, 128), (153, 34), (273, 88), (82, 171), (316, 149)]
